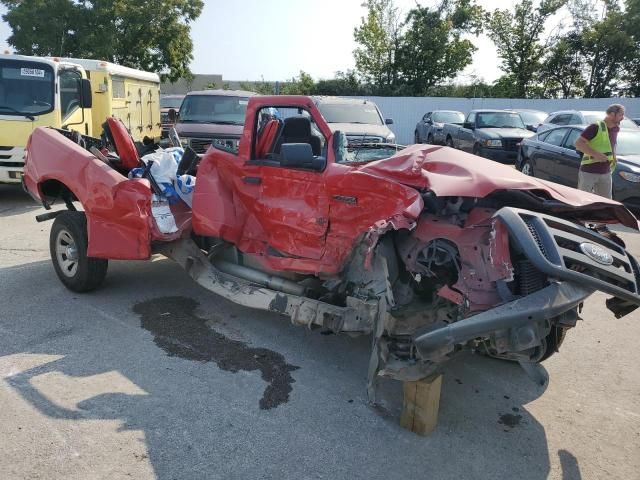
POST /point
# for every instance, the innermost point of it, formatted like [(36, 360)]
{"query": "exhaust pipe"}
[(261, 278)]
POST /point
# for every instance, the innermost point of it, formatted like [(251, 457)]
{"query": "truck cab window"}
[(69, 92)]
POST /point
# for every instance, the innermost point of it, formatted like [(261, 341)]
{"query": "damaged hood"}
[(449, 173)]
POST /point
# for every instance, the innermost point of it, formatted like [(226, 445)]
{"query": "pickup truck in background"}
[(211, 117), (492, 134)]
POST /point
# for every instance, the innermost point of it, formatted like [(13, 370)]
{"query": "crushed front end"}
[(508, 283)]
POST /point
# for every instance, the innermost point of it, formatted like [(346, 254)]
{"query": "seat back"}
[(123, 143), (298, 130), (266, 137)]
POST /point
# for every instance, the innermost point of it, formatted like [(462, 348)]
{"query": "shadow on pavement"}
[(14, 201), (202, 417)]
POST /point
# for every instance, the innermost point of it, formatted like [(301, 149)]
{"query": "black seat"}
[(298, 130)]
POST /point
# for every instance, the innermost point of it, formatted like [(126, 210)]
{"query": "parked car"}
[(552, 155), (578, 117), (360, 120), (430, 251), (531, 118), (636, 120), (168, 102), (492, 134), (211, 116), (431, 128)]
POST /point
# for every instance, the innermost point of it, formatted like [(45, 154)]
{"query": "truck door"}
[(292, 206)]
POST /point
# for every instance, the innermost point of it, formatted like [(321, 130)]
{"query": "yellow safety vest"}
[(601, 143)]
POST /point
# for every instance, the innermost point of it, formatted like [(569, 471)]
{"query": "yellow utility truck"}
[(74, 94)]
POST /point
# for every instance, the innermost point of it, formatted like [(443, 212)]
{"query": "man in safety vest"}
[(598, 143)]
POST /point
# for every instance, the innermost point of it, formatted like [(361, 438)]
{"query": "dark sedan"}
[(551, 155)]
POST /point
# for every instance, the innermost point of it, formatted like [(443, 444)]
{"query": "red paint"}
[(298, 220)]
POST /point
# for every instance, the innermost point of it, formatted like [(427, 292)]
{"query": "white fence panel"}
[(407, 111)]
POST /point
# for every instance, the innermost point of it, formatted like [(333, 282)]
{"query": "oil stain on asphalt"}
[(181, 333)]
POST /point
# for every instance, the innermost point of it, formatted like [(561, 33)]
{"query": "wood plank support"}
[(421, 404)]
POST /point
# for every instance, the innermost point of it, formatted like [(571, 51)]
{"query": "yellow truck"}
[(74, 94)]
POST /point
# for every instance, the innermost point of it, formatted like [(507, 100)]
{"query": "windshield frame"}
[(510, 114), (17, 64), (192, 98)]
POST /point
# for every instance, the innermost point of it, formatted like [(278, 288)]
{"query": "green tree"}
[(562, 71), (632, 24), (517, 39), (301, 85), (378, 37), (151, 35), (432, 50), (344, 83)]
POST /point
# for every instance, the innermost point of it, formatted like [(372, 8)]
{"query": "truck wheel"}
[(68, 246), (553, 341)]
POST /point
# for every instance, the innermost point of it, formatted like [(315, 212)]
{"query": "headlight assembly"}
[(492, 143), (630, 177)]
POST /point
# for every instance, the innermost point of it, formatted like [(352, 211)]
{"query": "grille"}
[(358, 139), (200, 145), (11, 164), (530, 279), (569, 237), (511, 143), (5, 148), (536, 235)]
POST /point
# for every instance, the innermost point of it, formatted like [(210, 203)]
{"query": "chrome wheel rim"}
[(66, 253)]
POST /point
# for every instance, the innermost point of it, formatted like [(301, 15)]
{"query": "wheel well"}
[(52, 190)]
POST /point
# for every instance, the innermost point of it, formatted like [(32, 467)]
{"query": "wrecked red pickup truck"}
[(428, 249)]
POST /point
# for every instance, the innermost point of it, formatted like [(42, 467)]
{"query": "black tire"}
[(449, 142), (527, 168), (553, 341), (430, 139), (68, 247)]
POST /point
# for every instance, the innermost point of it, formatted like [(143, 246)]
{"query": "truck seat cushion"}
[(123, 143)]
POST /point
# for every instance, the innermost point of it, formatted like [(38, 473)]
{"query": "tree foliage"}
[(378, 37), (415, 55), (152, 35), (517, 37)]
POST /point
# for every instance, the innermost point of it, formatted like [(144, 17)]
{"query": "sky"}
[(275, 39)]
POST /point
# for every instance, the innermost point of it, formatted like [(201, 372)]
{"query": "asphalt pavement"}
[(152, 376)]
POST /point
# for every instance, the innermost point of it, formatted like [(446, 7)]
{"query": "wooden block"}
[(420, 405)]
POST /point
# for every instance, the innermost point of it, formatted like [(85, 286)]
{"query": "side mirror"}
[(388, 121), (173, 115), (86, 100), (300, 155), (532, 128), (468, 125)]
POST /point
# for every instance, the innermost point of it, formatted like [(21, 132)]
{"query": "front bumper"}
[(11, 164), (499, 154), (552, 245)]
